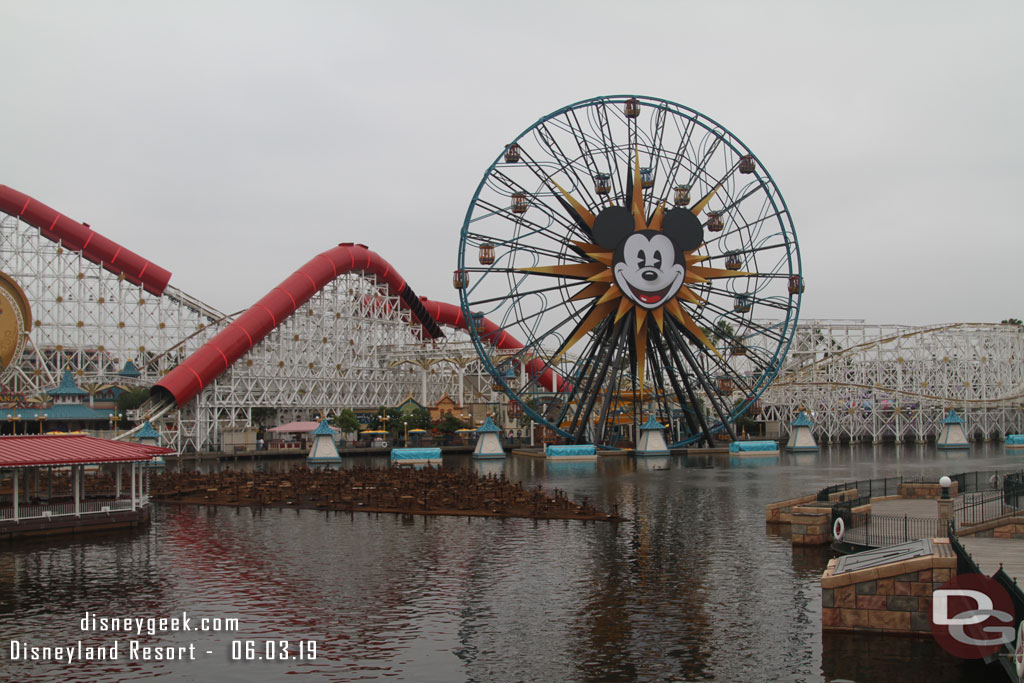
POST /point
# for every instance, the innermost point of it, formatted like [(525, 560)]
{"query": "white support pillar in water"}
[(14, 498), (76, 488), (117, 475), (133, 486), (142, 478)]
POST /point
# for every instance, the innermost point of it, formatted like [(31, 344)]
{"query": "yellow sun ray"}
[(699, 206), (624, 307), (613, 293), (659, 317), (641, 318), (587, 247), (677, 312), (641, 353), (582, 271), (692, 277), (707, 273), (639, 219), (599, 313), (583, 211), (606, 276), (592, 290), (688, 295), (659, 214)]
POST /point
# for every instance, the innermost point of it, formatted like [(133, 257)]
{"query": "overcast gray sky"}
[(230, 142)]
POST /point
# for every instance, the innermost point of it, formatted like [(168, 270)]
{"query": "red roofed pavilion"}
[(44, 488)]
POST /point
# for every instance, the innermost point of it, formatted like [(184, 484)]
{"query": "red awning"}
[(72, 449)]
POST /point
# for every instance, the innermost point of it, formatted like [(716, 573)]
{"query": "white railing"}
[(65, 509)]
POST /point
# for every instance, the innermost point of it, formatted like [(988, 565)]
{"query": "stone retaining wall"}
[(926, 491), (773, 512), (892, 598), (1007, 527)]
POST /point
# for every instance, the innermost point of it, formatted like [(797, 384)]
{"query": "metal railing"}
[(66, 508), (965, 564), (978, 508), (866, 488), (884, 530), (968, 482)]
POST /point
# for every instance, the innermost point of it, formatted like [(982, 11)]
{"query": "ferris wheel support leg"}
[(606, 362), (689, 393), (581, 389), (681, 343), (607, 401)]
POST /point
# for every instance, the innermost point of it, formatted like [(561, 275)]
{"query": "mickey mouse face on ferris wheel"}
[(648, 265)]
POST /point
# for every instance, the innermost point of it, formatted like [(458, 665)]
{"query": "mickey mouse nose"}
[(649, 275)]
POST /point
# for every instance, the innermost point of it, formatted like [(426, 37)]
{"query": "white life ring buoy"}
[(838, 529), (383, 444)]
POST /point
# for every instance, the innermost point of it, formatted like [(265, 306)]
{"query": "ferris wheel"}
[(625, 258)]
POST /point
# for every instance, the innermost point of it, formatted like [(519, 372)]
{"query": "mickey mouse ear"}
[(612, 225), (683, 228)]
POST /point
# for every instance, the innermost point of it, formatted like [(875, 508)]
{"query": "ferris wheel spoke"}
[(514, 245), (542, 290)]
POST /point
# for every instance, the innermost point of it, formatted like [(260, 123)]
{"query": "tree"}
[(392, 424), (130, 400), (449, 424), (417, 418), (262, 417), (1012, 321), (347, 421)]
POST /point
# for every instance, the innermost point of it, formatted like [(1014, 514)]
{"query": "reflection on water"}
[(690, 587)]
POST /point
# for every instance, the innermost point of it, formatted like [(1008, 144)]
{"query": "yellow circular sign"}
[(15, 322)]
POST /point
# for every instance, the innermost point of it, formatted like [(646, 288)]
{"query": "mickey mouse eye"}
[(643, 259), (657, 260)]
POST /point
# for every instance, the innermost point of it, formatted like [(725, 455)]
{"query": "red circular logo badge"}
[(972, 616)]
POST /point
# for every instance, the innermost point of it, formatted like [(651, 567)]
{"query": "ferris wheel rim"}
[(721, 133)]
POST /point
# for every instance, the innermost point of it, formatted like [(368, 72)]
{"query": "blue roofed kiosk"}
[(488, 443), (952, 434), (801, 438), (323, 449), (652, 438)]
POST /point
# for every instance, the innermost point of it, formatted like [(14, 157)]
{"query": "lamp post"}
[(114, 419), (945, 502), (40, 418), (14, 420), (406, 441)]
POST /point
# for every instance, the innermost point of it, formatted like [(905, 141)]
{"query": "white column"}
[(117, 467), (15, 496), (133, 486), (423, 394), (76, 487), (462, 384), (142, 475)]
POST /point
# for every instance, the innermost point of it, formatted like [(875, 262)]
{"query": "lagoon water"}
[(691, 587)]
